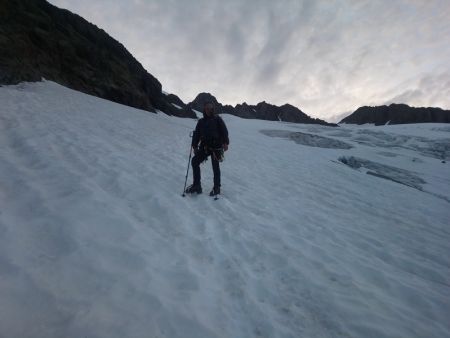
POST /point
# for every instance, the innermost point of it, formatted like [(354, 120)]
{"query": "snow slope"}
[(96, 241)]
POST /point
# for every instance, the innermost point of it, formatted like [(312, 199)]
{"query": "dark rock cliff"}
[(39, 40)]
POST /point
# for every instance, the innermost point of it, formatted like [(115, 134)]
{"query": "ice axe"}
[(187, 170)]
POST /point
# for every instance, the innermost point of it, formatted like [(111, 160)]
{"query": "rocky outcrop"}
[(261, 111), (397, 114), (39, 40), (202, 98), (181, 109)]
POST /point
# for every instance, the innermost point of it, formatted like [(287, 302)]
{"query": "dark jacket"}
[(210, 131)]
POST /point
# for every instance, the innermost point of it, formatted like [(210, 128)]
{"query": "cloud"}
[(430, 90), (325, 57)]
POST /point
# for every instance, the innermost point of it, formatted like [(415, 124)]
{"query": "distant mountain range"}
[(39, 40), (397, 114), (262, 111)]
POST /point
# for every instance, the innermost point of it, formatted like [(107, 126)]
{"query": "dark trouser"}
[(201, 156)]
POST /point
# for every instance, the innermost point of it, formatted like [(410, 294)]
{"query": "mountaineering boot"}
[(194, 188), (215, 191)]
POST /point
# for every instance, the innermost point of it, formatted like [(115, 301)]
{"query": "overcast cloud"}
[(325, 57)]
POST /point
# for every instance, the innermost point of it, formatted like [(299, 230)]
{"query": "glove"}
[(225, 147)]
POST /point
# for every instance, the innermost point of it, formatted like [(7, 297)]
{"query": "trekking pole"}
[(187, 171)]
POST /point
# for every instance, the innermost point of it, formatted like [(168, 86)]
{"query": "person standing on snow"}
[(210, 138)]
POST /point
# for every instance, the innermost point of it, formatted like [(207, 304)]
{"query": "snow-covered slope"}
[(96, 240)]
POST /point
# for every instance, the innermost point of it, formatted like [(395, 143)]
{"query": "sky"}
[(326, 57)]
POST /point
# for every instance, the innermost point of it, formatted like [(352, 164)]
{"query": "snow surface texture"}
[(96, 240)]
